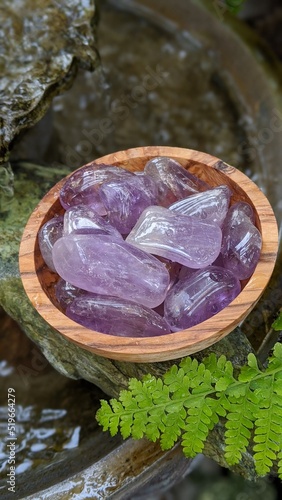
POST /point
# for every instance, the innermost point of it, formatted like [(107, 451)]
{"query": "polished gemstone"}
[(47, 236), (174, 181), (208, 206), (241, 243), (179, 238), (82, 186), (105, 265), (116, 316), (239, 211), (66, 293), (200, 296), (125, 199), (83, 219)]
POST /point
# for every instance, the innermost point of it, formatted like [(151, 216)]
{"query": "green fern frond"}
[(277, 324), (190, 399), (238, 426)]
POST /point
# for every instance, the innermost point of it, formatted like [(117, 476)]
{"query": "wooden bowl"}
[(39, 281)]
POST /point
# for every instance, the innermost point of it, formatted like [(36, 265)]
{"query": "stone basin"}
[(185, 79)]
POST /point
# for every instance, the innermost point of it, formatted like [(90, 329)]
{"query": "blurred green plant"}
[(234, 6), (277, 325)]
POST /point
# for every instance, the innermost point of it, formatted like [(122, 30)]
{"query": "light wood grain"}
[(39, 281)]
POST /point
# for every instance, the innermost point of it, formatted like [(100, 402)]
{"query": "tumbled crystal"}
[(65, 293), (116, 316), (124, 200), (239, 211), (48, 234), (180, 238), (82, 219), (174, 181), (83, 185), (208, 206), (200, 296), (241, 243), (105, 265)]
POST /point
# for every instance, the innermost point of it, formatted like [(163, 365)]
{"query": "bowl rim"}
[(172, 345)]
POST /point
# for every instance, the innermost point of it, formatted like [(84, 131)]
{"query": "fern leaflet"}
[(188, 401)]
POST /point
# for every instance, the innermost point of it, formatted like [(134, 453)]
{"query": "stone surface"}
[(42, 44), (241, 243), (200, 296), (115, 316), (208, 206), (180, 238), (66, 293), (47, 237), (83, 185), (239, 211), (174, 182), (125, 200), (82, 219), (103, 265)]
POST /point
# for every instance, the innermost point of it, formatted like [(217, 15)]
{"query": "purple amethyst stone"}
[(124, 200), (179, 238), (105, 265), (174, 181), (82, 186), (82, 219), (241, 243), (200, 296), (208, 206), (47, 237), (116, 316)]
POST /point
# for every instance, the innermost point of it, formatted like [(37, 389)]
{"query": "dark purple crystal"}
[(126, 199), (82, 186), (116, 316), (241, 243), (66, 293), (200, 296)]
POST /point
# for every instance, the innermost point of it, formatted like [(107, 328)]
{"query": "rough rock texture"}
[(38, 63)]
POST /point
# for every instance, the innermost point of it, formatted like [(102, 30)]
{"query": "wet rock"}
[(42, 44)]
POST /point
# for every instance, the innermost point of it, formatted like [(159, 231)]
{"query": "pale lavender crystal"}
[(66, 293), (208, 206), (83, 185), (116, 316), (241, 243), (105, 265), (174, 181), (82, 219), (200, 296), (239, 211), (47, 236), (126, 199), (180, 238)]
